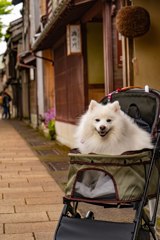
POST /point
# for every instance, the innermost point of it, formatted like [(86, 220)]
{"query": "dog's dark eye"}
[(97, 119), (108, 120)]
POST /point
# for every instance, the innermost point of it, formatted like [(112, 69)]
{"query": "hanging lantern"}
[(132, 21)]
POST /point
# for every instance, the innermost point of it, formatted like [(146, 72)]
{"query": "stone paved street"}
[(30, 199)]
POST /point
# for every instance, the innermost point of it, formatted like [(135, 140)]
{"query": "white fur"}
[(122, 134)]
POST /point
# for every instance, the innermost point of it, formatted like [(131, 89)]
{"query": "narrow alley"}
[(30, 199), (56, 56)]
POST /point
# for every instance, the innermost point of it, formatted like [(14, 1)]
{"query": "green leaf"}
[(51, 125), (5, 9)]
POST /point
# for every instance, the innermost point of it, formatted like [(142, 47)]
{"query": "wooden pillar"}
[(107, 45), (43, 9), (130, 62), (127, 49)]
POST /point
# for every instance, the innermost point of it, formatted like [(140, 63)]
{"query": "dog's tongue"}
[(102, 134)]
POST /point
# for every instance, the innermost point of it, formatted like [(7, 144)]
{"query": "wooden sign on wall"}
[(74, 45)]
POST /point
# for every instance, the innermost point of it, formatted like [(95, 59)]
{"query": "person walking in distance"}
[(6, 106)]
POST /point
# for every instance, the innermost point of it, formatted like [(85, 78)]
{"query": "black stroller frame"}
[(71, 225)]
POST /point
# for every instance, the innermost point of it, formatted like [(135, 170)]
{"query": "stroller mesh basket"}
[(117, 179)]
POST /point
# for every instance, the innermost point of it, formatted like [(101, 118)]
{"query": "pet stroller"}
[(122, 181)]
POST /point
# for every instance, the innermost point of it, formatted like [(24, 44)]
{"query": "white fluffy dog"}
[(105, 129)]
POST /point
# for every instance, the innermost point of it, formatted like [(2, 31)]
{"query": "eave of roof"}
[(68, 13)]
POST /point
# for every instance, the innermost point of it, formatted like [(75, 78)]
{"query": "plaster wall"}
[(33, 120), (25, 107), (147, 48), (95, 53), (65, 132), (40, 85)]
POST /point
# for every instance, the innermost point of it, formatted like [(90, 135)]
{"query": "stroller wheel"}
[(89, 215)]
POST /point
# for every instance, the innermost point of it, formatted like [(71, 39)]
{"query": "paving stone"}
[(5, 160), (2, 166), (45, 200), (23, 217), (16, 154), (12, 202), (15, 169), (38, 168), (55, 208), (34, 189), (3, 184), (55, 215), (25, 159), (25, 236), (25, 184), (44, 236), (30, 227), (13, 150), (48, 186), (9, 175), (34, 173), (1, 228), (39, 179), (28, 194), (6, 209), (13, 179)]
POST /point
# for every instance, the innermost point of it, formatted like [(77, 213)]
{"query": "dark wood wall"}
[(69, 84)]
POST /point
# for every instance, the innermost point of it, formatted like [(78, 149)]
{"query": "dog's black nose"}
[(102, 128)]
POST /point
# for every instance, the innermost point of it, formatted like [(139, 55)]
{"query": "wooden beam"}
[(92, 12), (107, 43)]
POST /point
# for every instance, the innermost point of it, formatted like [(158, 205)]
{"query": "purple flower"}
[(49, 115)]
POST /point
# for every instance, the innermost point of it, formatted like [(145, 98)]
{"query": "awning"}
[(26, 57), (69, 12), (21, 65)]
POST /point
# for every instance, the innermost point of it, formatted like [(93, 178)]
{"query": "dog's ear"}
[(116, 107), (92, 105)]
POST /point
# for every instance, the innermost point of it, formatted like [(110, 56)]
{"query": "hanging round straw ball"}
[(132, 21)]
